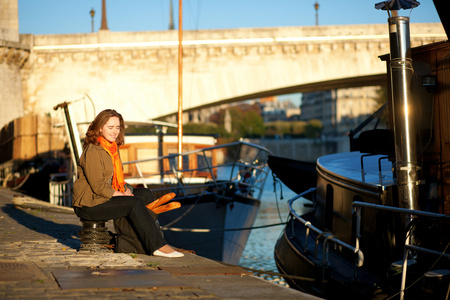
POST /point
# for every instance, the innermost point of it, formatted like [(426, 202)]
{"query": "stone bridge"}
[(136, 73)]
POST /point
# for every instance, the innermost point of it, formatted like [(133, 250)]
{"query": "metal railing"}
[(326, 238), (380, 171), (357, 206), (60, 189), (242, 166)]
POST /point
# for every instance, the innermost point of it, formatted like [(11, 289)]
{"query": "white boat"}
[(219, 187)]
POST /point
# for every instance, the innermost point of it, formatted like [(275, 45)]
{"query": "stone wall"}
[(29, 138), (9, 20), (13, 57), (304, 149)]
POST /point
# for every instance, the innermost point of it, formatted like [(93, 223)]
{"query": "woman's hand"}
[(126, 193)]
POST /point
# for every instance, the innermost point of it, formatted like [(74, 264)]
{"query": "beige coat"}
[(94, 177)]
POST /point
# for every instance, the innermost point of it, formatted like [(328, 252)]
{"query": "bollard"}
[(94, 236)]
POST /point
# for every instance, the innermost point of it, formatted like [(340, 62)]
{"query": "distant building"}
[(270, 114), (274, 110), (292, 113), (339, 110)]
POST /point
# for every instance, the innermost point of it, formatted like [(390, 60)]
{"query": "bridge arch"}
[(136, 72)]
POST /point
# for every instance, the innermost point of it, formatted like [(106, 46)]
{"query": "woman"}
[(100, 192)]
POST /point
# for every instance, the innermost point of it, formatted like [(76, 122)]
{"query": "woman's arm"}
[(97, 173)]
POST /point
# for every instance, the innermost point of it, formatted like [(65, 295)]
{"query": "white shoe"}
[(170, 255)]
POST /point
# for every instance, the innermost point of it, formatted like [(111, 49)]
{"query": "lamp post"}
[(92, 12), (316, 6)]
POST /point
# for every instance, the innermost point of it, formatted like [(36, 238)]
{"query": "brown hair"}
[(100, 120)]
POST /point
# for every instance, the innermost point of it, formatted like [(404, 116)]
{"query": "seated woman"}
[(100, 192)]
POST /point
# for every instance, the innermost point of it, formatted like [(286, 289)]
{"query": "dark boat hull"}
[(332, 280), (36, 184), (388, 198), (381, 237), (295, 174), (205, 225)]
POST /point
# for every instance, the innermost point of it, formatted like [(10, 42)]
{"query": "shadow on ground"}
[(65, 234)]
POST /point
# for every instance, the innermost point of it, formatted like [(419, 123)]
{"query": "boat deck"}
[(375, 170)]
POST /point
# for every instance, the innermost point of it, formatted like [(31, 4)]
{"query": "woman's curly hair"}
[(100, 120)]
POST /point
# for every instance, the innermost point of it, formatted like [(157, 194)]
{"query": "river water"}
[(258, 253)]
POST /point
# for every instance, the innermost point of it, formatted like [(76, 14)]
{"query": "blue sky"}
[(72, 16)]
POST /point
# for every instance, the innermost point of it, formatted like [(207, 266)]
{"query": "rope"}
[(217, 230), (275, 182), (185, 213)]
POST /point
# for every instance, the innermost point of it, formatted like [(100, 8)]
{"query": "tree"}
[(298, 128), (282, 128), (381, 95), (252, 124), (203, 128), (237, 116), (313, 129), (277, 128), (246, 120)]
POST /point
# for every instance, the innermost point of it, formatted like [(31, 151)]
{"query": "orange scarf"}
[(118, 181)]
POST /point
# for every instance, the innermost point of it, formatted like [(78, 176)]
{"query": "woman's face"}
[(110, 131)]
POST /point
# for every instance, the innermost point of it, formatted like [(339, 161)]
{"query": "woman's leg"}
[(145, 194), (147, 197), (133, 208)]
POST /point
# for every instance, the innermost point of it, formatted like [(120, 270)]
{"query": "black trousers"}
[(133, 209)]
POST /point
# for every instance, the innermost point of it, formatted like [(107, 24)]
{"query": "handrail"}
[(399, 210), (327, 237), (248, 170), (380, 171), (196, 151), (357, 205), (428, 251)]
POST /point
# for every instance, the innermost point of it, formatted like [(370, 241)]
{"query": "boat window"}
[(174, 159), (124, 155), (203, 161), (174, 162), (329, 208), (185, 162), (150, 166)]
